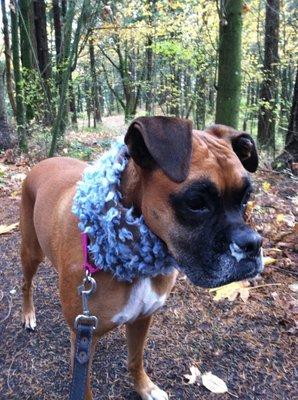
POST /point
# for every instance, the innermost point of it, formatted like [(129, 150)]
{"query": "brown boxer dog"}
[(191, 187)]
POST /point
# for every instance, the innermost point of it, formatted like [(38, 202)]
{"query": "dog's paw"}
[(155, 394), (29, 321)]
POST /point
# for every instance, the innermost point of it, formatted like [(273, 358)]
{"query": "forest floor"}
[(249, 344)]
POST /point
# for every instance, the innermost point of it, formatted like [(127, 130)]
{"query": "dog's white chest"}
[(143, 300)]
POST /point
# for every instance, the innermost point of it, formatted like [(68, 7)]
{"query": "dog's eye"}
[(197, 204)]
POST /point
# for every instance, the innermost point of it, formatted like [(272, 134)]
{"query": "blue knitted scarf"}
[(120, 242)]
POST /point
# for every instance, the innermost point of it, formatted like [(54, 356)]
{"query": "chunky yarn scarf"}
[(120, 242)]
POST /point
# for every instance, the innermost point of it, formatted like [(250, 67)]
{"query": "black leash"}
[(84, 326)]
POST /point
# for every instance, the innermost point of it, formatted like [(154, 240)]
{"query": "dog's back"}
[(43, 190)]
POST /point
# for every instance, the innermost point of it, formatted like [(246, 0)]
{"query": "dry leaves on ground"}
[(211, 382), (232, 291)]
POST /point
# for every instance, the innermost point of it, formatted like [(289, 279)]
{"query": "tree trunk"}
[(5, 128), (20, 117), (292, 135), (72, 102), (268, 91), (88, 103), (111, 103), (149, 91), (284, 99), (26, 22), (290, 153), (57, 28), (95, 92), (63, 8), (247, 111), (149, 57), (7, 51), (79, 100), (58, 40), (43, 52), (200, 114), (175, 83), (229, 63), (42, 39)]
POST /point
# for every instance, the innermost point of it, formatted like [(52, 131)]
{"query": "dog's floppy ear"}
[(245, 148), (164, 142), (242, 143)]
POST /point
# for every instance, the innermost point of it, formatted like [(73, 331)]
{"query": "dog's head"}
[(194, 187)]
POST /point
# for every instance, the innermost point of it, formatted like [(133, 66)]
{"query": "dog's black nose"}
[(248, 241)]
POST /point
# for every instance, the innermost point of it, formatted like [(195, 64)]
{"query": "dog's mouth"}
[(224, 270)]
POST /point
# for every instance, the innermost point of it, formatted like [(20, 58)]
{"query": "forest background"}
[(67, 64)]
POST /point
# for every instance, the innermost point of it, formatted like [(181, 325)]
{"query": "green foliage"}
[(79, 150), (183, 40), (172, 48)]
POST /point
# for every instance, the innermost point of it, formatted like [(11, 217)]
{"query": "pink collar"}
[(86, 264)]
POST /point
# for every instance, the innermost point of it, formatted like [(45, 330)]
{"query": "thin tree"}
[(130, 78), (292, 134), (149, 56), (20, 116), (290, 153), (229, 63), (95, 91), (43, 55), (70, 50), (7, 51), (5, 127), (268, 90), (57, 28), (72, 102), (57, 17), (26, 33), (27, 44)]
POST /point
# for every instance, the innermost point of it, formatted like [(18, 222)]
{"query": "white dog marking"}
[(156, 394), (143, 300), (237, 252)]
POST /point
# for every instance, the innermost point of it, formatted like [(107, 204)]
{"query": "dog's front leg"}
[(136, 333), (73, 347)]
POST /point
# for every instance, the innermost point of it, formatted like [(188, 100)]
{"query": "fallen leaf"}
[(268, 260), (8, 228), (244, 294), (193, 377), (289, 219), (294, 287), (15, 193), (214, 383), (274, 250), (266, 186), (280, 217), (250, 205), (231, 291)]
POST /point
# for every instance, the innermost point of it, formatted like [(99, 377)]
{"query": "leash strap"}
[(84, 325), (81, 361)]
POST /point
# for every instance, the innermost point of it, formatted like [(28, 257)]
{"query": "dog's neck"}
[(120, 240)]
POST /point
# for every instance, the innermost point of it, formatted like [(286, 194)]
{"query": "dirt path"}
[(249, 345)]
